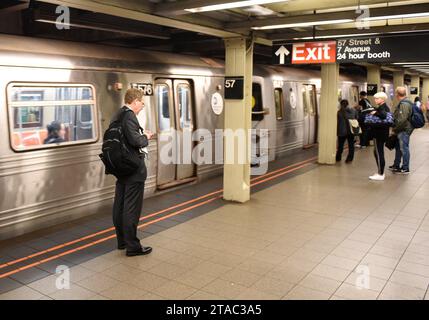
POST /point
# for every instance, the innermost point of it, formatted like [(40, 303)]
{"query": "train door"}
[(309, 101), (174, 106)]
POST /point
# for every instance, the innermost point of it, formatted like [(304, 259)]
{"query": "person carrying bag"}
[(379, 120), (123, 155), (347, 129)]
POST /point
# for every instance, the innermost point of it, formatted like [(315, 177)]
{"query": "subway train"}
[(82, 86)]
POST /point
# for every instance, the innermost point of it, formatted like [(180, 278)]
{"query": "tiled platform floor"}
[(309, 237)]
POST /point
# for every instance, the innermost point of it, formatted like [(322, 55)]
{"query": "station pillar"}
[(398, 81), (238, 121), (415, 82), (425, 90), (328, 113), (374, 77)]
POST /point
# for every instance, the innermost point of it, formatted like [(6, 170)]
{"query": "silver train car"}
[(82, 85)]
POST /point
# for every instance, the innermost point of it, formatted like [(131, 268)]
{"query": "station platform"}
[(308, 232)]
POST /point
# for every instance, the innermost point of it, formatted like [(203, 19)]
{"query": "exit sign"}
[(314, 52)]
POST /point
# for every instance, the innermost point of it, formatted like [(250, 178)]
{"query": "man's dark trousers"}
[(126, 213)]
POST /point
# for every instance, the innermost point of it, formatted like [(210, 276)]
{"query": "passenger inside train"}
[(56, 133)]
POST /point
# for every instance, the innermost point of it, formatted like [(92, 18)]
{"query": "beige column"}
[(415, 82), (238, 119), (425, 90), (398, 81), (374, 77), (328, 113)]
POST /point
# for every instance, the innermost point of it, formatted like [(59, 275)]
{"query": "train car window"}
[(50, 93), (311, 96), (163, 105), (305, 101), (257, 105), (50, 115), (184, 100), (278, 98)]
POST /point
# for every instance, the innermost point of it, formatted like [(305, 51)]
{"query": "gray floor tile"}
[(8, 284), (22, 293)]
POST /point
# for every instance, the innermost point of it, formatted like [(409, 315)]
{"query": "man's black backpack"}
[(117, 157)]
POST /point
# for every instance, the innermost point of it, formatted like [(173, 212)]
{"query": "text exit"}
[(314, 52)]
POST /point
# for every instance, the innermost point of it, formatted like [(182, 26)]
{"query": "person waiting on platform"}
[(129, 190), (56, 133), (417, 102), (425, 109), (379, 122), (364, 108), (344, 132), (403, 130)]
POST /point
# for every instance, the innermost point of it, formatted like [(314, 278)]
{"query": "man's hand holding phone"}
[(149, 134)]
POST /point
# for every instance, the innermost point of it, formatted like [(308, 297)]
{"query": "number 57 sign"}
[(234, 88)]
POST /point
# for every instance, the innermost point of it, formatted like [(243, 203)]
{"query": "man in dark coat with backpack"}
[(402, 129), (128, 202)]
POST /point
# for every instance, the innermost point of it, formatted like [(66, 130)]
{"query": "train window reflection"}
[(85, 113), (50, 93), (311, 96), (48, 115), (278, 98), (305, 101), (184, 100), (163, 103)]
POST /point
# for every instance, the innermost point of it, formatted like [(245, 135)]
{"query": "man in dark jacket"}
[(402, 129), (364, 108), (129, 190), (344, 133)]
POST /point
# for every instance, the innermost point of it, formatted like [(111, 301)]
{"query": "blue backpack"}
[(417, 119)]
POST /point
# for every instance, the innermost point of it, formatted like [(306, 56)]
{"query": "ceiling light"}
[(415, 66), (303, 24), (260, 11), (231, 5), (336, 36), (398, 16), (424, 62)]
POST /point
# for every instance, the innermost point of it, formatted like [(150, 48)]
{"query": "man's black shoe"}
[(141, 252), (121, 247), (392, 168)]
